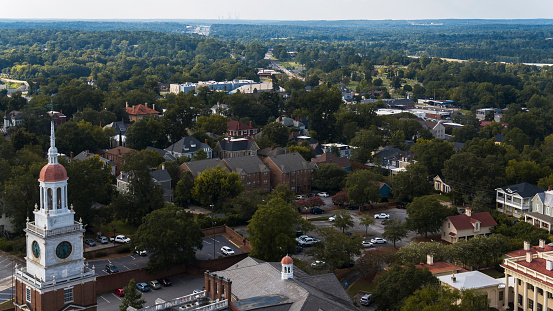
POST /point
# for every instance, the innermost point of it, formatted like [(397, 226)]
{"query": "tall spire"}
[(52, 151)]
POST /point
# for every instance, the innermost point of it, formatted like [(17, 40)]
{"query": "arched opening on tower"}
[(50, 199), (58, 198)]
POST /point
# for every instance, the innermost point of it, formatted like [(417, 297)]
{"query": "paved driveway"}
[(6, 268)]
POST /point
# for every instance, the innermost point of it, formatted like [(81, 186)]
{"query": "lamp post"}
[(212, 211)]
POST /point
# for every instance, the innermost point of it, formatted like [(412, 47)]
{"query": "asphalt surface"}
[(123, 263), (212, 248), (6, 268), (182, 285)]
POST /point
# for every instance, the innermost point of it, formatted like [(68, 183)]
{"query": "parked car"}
[(140, 252), (317, 210), (305, 240), (120, 239), (352, 207), (378, 241), (382, 215), (102, 239), (165, 282), (143, 287), (367, 244), (365, 300), (300, 197), (227, 251), (318, 264), (154, 284), (111, 268), (332, 218), (89, 242), (323, 194), (197, 291), (299, 233), (119, 292), (310, 195)]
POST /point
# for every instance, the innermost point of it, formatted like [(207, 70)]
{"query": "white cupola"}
[(287, 268)]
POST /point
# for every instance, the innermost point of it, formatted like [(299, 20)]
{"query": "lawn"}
[(365, 283), (319, 218), (120, 228), (442, 197)]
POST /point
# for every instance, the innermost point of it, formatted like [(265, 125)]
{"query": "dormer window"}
[(477, 226)]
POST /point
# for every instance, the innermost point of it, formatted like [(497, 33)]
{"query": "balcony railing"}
[(188, 303), (22, 273), (52, 232)]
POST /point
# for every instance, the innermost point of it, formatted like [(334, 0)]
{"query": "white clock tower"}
[(56, 276)]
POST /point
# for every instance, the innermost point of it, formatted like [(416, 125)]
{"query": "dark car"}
[(111, 268), (317, 210), (310, 195), (352, 207), (299, 233), (299, 248), (89, 242), (164, 282)]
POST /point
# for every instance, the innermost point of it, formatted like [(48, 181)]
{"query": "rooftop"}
[(524, 189), (469, 280)]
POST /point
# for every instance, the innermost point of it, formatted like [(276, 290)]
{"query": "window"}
[(249, 183), (531, 287), (293, 181), (293, 173), (550, 295), (265, 174), (548, 210), (530, 303), (519, 299), (448, 225), (28, 294), (293, 189), (68, 295), (540, 291), (265, 182), (501, 295), (540, 307)]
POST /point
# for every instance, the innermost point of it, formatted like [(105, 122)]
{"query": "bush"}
[(89, 255), (5, 245), (101, 254), (124, 249)]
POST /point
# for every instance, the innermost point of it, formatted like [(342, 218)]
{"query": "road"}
[(277, 66)]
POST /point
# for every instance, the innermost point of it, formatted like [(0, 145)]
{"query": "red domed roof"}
[(287, 260), (52, 173)]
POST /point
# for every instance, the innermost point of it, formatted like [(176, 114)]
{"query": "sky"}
[(280, 9)]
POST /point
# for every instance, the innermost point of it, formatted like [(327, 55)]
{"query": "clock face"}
[(63, 250), (36, 249)]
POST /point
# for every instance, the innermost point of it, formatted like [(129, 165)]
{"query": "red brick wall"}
[(83, 295)]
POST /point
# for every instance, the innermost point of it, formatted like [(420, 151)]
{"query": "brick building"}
[(255, 175), (290, 169)]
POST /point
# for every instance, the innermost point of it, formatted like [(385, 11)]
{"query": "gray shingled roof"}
[(160, 175), (236, 145), (258, 285), (188, 144), (271, 152), (161, 152), (524, 189), (197, 167), (290, 162), (246, 164)]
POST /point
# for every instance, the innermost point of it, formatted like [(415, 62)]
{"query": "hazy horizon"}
[(286, 10)]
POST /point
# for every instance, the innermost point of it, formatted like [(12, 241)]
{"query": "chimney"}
[(126, 104), (430, 259), (146, 104), (549, 265), (526, 245), (163, 166), (542, 243), (71, 155), (549, 188), (453, 278), (251, 124), (154, 106), (528, 257), (205, 140), (468, 211), (280, 119), (100, 123)]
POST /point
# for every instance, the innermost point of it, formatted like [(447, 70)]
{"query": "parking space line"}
[(126, 267), (116, 296), (105, 299), (133, 257)]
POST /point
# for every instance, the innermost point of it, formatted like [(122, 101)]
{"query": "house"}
[(120, 129), (84, 155), (345, 150), (254, 284), (541, 210), (516, 199), (159, 177), (440, 184), (116, 156), (270, 151), (140, 112), (290, 169), (496, 112), (467, 226), (327, 158), (235, 147), (254, 174), (527, 248), (296, 124), (219, 109), (390, 156), (188, 146), (12, 119), (479, 282), (237, 128), (436, 128), (531, 277), (384, 190), (164, 153), (197, 167), (58, 118)]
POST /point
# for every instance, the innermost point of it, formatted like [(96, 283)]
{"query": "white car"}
[(378, 241), (323, 194), (367, 244), (317, 264), (120, 239), (382, 215), (365, 300), (227, 250)]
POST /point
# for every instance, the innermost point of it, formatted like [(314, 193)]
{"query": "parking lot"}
[(6, 268), (123, 263), (212, 248), (182, 286)]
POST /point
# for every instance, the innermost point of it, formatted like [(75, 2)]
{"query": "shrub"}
[(124, 249), (101, 254)]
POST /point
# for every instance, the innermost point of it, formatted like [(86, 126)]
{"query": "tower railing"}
[(31, 227), (22, 274)]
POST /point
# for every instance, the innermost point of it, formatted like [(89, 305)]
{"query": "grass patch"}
[(442, 197), (367, 283), (320, 218), (120, 228), (463, 111)]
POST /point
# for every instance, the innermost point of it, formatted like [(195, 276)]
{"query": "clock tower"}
[(55, 277)]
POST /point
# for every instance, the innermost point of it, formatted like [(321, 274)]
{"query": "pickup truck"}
[(120, 239), (305, 240)]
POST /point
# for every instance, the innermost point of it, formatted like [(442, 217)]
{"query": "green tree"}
[(362, 186), (214, 123), (215, 184), (271, 230), (145, 133), (517, 138), (366, 221), (426, 214), (438, 297), (525, 171), (395, 230), (183, 189), (366, 141), (276, 133), (199, 155), (398, 283), (433, 153), (305, 151), (336, 249), (415, 253), (343, 220), (411, 183), (21, 193), (328, 176), (133, 298), (171, 236)]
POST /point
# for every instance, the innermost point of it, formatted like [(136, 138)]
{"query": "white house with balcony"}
[(516, 200), (541, 210)]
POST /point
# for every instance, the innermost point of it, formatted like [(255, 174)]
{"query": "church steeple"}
[(52, 151)]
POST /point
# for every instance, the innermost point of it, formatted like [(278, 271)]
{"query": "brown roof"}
[(236, 125), (441, 266), (537, 265), (118, 151), (533, 250), (465, 222), (52, 173), (329, 157), (140, 110)]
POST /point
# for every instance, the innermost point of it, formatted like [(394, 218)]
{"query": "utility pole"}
[(212, 226)]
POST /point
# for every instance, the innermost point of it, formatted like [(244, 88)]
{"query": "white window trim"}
[(28, 294), (67, 291)]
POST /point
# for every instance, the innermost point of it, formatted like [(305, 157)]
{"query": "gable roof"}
[(246, 165), (271, 151), (160, 175), (161, 152), (289, 162), (197, 167), (237, 125), (524, 189), (140, 110), (119, 151), (329, 157), (387, 152), (119, 126), (188, 144), (237, 144), (461, 222)]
